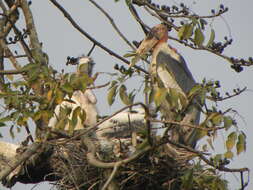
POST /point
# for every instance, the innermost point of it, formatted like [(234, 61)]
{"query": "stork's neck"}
[(163, 46)]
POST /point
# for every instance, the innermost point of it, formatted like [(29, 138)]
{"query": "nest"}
[(152, 171)]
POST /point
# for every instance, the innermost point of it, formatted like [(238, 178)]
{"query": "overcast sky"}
[(60, 40)]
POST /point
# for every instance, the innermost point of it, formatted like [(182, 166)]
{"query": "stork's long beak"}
[(157, 33)]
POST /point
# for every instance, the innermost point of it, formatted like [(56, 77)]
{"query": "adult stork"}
[(169, 70), (85, 100)]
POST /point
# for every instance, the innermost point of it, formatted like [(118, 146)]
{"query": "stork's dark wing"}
[(177, 68)]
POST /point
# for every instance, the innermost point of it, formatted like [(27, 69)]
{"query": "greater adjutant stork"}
[(169, 70)]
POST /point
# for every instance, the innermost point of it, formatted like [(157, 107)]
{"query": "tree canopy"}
[(31, 88)]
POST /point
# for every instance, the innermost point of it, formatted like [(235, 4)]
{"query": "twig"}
[(222, 168), (184, 124), (100, 86), (178, 14), (17, 32), (10, 55), (75, 25), (11, 72), (165, 141), (138, 19), (93, 185), (91, 50), (202, 157), (112, 23), (240, 62), (16, 56), (38, 55), (228, 97), (107, 183)]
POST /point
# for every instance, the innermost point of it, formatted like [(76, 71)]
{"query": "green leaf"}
[(174, 96), (10, 77), (228, 122), (131, 54), (113, 83), (61, 124), (217, 119), (83, 68), (194, 90), (217, 159), (59, 96), (202, 96), (123, 95), (187, 180), (160, 96), (75, 116), (211, 39), (82, 116), (229, 155), (128, 2), (241, 143), (151, 96), (230, 142), (111, 95), (6, 118), (66, 87), (199, 37), (134, 60), (185, 32), (2, 125)]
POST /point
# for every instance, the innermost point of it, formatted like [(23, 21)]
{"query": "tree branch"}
[(75, 25), (111, 177), (138, 19), (184, 124), (112, 23), (38, 55), (11, 72), (12, 165)]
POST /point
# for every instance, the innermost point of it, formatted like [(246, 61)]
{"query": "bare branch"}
[(34, 40), (202, 157), (229, 96), (112, 23), (222, 168), (177, 14), (179, 124), (138, 19), (91, 50), (109, 180), (100, 86), (16, 56), (75, 25), (10, 55)]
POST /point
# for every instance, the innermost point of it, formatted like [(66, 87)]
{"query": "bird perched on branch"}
[(170, 75), (85, 100)]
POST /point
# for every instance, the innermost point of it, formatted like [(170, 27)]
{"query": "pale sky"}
[(60, 40)]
